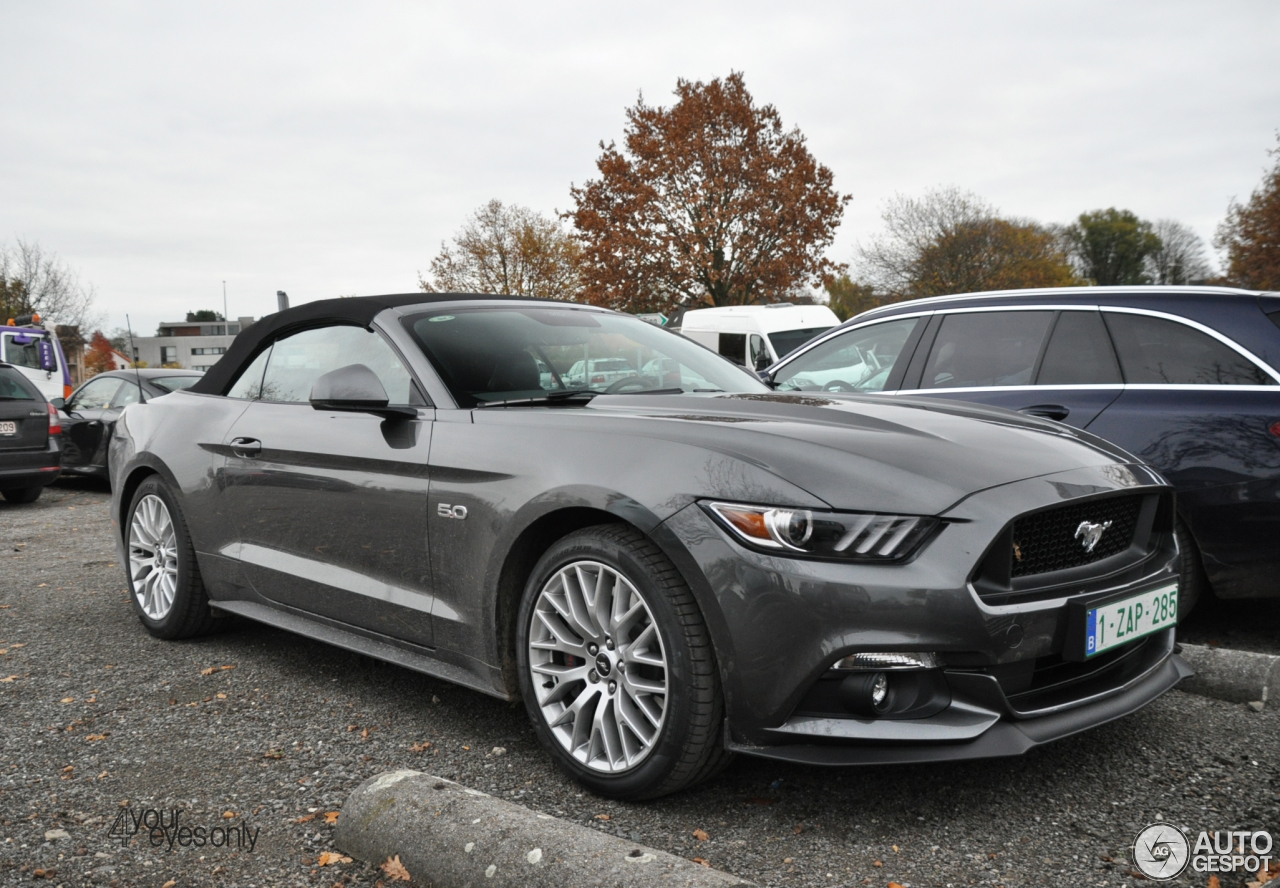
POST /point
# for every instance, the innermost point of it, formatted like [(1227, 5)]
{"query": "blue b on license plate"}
[(1119, 622)]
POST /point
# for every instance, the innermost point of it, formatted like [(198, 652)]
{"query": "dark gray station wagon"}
[(667, 564)]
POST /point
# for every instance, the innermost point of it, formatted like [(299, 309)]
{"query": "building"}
[(73, 343), (193, 345)]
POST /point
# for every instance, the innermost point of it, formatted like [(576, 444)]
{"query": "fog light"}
[(868, 694), (875, 661)]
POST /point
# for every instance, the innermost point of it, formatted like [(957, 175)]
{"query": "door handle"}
[(1048, 411), (248, 447)]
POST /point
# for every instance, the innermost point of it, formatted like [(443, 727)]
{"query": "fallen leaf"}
[(468, 748), (305, 818), (231, 666), (878, 863), (895, 849), (798, 829), (9, 679), (95, 737), (68, 769), (328, 858), (228, 815), (700, 835), (67, 700), (421, 747), (351, 728), (273, 754), (1214, 883), (44, 873), (894, 885), (103, 775), (364, 735), (702, 861), (222, 696), (40, 586), (170, 883), (14, 647), (395, 869), (331, 817), (603, 817), (209, 670)]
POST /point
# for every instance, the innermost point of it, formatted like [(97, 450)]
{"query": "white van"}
[(756, 336), (37, 354)]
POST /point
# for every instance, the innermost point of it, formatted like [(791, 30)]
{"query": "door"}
[(331, 507), (1042, 362), (1208, 418), (84, 428)]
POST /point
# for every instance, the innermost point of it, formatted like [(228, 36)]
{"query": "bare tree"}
[(952, 241), (1180, 258), (32, 280), (508, 250)]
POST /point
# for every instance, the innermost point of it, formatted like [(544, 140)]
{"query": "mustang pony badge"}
[(1089, 534)]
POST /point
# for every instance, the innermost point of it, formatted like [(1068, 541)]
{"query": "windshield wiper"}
[(569, 397)]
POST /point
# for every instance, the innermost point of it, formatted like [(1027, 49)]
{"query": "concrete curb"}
[(453, 837), (1234, 676)]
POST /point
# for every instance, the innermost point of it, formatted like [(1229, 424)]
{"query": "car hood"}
[(907, 454)]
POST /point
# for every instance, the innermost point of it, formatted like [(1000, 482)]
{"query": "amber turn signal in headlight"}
[(855, 536)]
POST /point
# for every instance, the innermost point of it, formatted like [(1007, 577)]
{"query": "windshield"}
[(13, 387), (500, 354), (787, 341), (174, 383)]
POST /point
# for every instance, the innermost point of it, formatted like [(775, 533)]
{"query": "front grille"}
[(1055, 539)]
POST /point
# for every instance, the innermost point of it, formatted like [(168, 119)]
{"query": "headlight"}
[(854, 536)]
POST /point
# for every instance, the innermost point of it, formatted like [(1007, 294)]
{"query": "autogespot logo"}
[(1162, 851)]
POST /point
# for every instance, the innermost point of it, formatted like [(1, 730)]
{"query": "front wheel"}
[(1193, 583), (164, 578), (616, 666)]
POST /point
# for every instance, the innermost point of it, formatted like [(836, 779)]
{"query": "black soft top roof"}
[(357, 310)]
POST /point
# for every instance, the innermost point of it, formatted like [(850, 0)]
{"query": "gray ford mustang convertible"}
[(667, 561)]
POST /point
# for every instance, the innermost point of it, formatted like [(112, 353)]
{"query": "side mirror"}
[(763, 360), (355, 389), (60, 403)]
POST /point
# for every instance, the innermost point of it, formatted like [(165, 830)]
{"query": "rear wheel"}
[(164, 578), (23, 494), (616, 666), (1193, 582)]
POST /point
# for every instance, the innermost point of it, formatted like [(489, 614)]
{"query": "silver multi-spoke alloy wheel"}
[(598, 666), (153, 557)]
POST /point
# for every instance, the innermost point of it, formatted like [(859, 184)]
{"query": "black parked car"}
[(1185, 378), (665, 570), (29, 438), (89, 415)]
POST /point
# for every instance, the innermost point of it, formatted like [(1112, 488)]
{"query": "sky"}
[(327, 149)]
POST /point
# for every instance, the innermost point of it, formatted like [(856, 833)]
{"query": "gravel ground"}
[(97, 716)]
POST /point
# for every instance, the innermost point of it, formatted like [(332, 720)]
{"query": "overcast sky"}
[(327, 149)]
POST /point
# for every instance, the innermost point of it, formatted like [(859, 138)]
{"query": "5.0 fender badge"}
[(444, 510)]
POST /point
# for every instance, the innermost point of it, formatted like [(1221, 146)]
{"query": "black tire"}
[(1193, 582), (689, 746), (23, 494), (189, 614)]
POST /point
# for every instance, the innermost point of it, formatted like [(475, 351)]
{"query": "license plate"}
[(1119, 622), (8, 428)]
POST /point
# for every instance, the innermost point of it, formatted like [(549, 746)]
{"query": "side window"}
[(96, 395), (1079, 352), (858, 361), (248, 385), (21, 354), (734, 347), (758, 348), (297, 361), (127, 394), (1160, 351), (986, 348)]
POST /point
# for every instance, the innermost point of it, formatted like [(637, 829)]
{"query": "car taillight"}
[(55, 421), (597, 380)]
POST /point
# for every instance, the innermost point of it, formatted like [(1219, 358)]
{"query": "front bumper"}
[(779, 624)]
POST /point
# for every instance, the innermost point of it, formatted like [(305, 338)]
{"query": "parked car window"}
[(734, 347), (11, 387), (495, 354), (297, 361), (174, 383), (1160, 351), (95, 395), (986, 348), (1079, 352), (756, 348), (787, 341), (125, 395), (248, 384), (858, 361), (21, 354)]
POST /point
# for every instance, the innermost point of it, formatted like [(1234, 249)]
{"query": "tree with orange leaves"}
[(1250, 235), (97, 357), (708, 202)]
